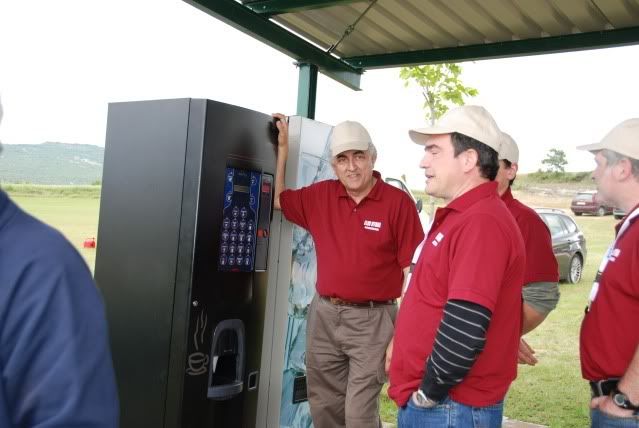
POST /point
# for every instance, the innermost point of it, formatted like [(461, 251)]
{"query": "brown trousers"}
[(345, 349)]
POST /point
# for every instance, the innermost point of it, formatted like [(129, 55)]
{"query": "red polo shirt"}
[(473, 252), (361, 248), (609, 334), (541, 264)]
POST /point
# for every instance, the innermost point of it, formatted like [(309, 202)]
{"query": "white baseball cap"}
[(623, 139), (508, 149), (472, 121), (349, 135)]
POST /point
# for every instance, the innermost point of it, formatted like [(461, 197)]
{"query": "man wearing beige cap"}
[(609, 339), (458, 328), (540, 291), (365, 232)]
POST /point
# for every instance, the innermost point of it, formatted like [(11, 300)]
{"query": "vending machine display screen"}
[(239, 220)]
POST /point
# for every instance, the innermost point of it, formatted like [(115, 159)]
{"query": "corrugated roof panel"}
[(583, 14), (620, 13)]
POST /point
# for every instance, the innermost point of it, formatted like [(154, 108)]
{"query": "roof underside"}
[(345, 37)]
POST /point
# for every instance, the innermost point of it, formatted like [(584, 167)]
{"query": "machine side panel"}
[(136, 265)]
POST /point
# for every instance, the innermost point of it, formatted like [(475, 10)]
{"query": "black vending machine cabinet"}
[(182, 259)]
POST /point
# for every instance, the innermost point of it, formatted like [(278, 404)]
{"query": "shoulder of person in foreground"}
[(56, 362)]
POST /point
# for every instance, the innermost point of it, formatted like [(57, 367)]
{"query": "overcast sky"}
[(63, 61)]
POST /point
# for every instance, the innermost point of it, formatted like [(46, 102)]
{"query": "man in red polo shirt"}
[(458, 328), (365, 232), (540, 291), (609, 339)]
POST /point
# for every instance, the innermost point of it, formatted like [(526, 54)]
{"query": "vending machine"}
[(187, 245), (206, 287)]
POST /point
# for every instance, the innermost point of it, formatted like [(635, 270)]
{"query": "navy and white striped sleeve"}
[(459, 341)]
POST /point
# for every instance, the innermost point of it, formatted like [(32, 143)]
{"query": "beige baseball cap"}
[(623, 139), (349, 135), (508, 149), (472, 121)]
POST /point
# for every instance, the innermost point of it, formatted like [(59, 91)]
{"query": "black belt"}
[(602, 388), (360, 304)]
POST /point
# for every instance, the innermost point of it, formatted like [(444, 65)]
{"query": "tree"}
[(440, 85), (556, 160)]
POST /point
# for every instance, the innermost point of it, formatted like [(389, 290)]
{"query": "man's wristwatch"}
[(421, 400), (621, 400)]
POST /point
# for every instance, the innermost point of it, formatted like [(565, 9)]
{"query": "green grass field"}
[(76, 217), (551, 393)]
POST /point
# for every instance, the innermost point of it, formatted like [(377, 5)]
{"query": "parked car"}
[(618, 213), (568, 243), (586, 203)]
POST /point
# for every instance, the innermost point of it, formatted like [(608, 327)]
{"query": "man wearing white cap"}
[(540, 291), (458, 328), (365, 232), (609, 339)]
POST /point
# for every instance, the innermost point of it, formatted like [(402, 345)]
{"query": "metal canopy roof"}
[(343, 38)]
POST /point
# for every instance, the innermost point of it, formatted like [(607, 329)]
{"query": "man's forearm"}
[(280, 175)]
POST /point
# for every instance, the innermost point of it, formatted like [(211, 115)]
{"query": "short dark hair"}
[(508, 165), (487, 158)]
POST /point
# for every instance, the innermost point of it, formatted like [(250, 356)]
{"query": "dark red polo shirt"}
[(541, 264), (361, 248), (609, 334), (473, 252)]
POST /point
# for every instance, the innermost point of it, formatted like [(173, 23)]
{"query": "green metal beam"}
[(277, 7), (546, 45), (307, 90), (259, 27)]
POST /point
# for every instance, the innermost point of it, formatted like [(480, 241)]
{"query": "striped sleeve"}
[(459, 341)]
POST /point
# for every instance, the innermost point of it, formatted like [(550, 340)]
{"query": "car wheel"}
[(578, 214), (618, 217), (575, 269), (601, 212)]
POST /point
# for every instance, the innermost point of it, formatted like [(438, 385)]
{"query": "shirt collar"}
[(507, 196), (375, 193), (463, 202), (617, 226)]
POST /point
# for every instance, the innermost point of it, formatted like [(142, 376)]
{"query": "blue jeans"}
[(600, 419), (450, 414)]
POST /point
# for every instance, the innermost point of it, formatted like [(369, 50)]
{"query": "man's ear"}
[(470, 159), (622, 170), (512, 171)]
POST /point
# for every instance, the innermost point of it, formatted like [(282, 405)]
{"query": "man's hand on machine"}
[(281, 122)]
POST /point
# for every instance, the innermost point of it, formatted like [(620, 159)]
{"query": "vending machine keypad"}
[(239, 219)]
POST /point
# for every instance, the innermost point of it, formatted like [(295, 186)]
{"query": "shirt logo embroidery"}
[(372, 225), (437, 239), (614, 255)]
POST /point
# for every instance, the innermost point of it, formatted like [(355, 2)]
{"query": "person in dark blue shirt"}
[(55, 361)]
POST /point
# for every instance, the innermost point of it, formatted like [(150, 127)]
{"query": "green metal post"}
[(307, 90)]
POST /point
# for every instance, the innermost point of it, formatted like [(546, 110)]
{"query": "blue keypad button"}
[(247, 261), (222, 260), (236, 212), (239, 260), (241, 237), (224, 248), (243, 212), (226, 222), (225, 236), (240, 249), (233, 236), (231, 260), (242, 224), (231, 249), (249, 238), (249, 226), (234, 224)]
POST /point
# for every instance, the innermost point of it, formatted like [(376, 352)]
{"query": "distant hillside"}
[(51, 163)]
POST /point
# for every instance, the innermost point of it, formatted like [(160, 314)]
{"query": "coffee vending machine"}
[(206, 288)]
